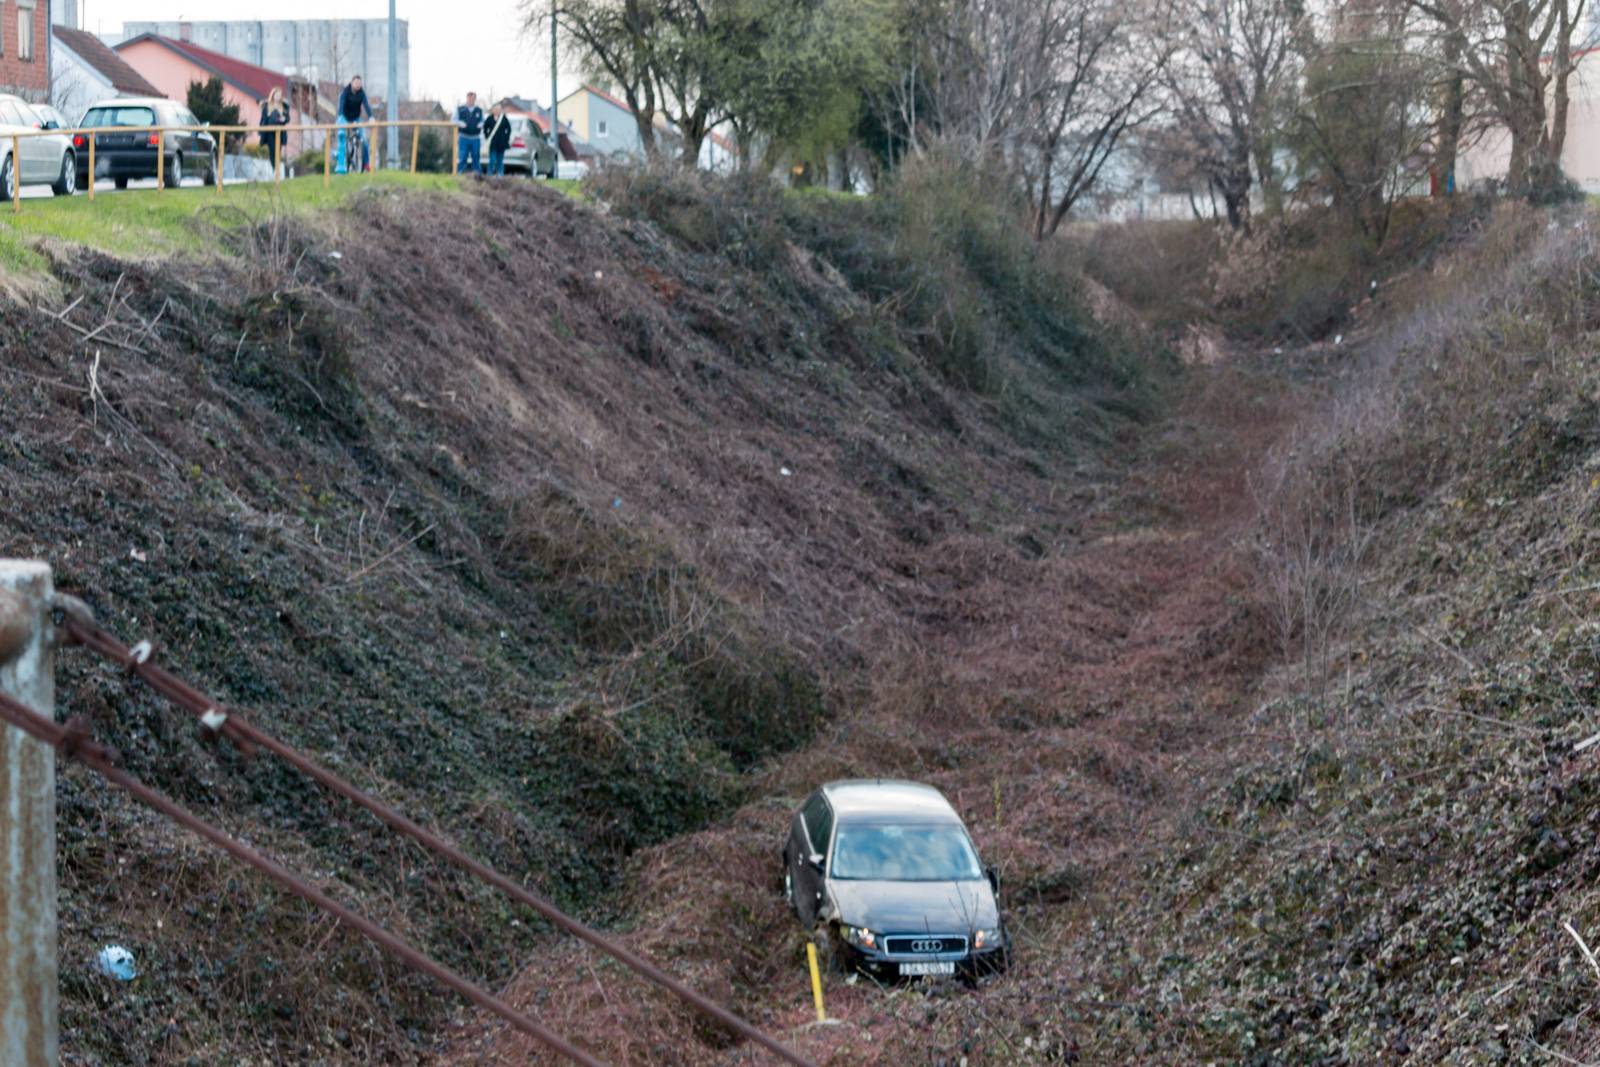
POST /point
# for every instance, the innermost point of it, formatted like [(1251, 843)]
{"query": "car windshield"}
[(922, 853), (120, 116)]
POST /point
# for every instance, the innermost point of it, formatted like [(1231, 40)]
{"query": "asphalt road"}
[(106, 185)]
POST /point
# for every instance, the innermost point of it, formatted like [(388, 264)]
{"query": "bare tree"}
[(616, 39), (1107, 56), (1234, 61), (1361, 125), (1043, 90), (1519, 55)]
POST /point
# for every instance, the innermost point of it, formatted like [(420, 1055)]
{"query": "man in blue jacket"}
[(469, 127), (352, 103)]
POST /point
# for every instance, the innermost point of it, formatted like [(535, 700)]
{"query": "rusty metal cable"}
[(72, 739), (247, 737)]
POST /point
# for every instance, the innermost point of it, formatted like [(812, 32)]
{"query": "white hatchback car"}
[(46, 160)]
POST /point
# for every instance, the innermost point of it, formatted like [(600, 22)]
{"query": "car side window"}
[(819, 823)]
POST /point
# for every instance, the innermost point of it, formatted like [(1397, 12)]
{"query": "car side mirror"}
[(816, 860), (994, 878)]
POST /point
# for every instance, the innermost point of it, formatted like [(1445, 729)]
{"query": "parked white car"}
[(47, 160)]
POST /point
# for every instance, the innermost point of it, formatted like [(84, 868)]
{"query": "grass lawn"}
[(149, 222)]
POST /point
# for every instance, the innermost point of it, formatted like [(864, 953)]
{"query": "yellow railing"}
[(221, 133)]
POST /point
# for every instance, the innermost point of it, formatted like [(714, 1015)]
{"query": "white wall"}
[(74, 85)]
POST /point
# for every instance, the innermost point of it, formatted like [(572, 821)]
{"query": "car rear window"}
[(9, 115), (120, 116)]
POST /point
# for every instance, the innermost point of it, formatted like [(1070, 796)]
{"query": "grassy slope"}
[(543, 538), (1383, 875), (149, 224)]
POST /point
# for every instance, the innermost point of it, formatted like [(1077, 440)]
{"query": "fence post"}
[(327, 159), (455, 152), (222, 155), (16, 174), (416, 135), (91, 164), (28, 976)]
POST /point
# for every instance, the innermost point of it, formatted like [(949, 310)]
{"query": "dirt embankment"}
[(1069, 701), (551, 528)]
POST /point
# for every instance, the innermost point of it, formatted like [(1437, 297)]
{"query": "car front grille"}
[(924, 944)]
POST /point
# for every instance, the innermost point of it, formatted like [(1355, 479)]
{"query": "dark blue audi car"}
[(887, 871)]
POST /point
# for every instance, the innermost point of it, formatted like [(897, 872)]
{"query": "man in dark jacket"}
[(497, 138), (352, 104), (469, 128)]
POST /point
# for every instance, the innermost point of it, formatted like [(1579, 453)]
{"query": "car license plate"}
[(934, 967)]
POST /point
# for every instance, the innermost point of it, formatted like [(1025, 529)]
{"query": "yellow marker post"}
[(161, 162), (222, 153), (277, 157), (416, 135), (16, 175), (455, 154), (91, 164), (816, 980), (327, 158)]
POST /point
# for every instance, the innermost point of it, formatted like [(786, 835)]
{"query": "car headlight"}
[(859, 936), (982, 939)]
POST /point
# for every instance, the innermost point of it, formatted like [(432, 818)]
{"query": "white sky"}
[(456, 45)]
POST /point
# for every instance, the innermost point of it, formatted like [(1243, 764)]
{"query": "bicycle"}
[(352, 149)]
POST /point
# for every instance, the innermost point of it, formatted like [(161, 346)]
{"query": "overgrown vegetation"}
[(1393, 876), (559, 576)]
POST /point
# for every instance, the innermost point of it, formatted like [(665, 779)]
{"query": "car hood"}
[(916, 907)]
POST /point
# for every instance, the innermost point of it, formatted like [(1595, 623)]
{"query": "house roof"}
[(415, 110), (246, 77), (602, 94), (93, 51)]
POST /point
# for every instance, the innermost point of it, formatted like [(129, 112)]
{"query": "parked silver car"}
[(887, 870), (47, 160), (530, 153)]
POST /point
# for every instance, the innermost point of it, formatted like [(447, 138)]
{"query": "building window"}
[(600, 129), (25, 30)]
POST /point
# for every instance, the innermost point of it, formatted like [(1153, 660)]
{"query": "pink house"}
[(171, 65)]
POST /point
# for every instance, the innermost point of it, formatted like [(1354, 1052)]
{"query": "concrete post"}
[(28, 977)]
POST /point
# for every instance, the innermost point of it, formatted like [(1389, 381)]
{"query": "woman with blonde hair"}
[(274, 115)]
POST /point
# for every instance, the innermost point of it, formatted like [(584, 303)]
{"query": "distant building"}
[(605, 126), (25, 48), (86, 71), (605, 122), (172, 65), (313, 50)]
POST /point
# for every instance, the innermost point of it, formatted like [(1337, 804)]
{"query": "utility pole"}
[(28, 975), (555, 121), (394, 89)]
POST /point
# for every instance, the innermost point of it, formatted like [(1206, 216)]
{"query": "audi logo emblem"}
[(927, 945)]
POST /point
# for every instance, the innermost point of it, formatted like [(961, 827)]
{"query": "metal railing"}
[(280, 133)]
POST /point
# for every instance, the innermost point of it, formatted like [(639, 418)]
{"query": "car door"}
[(196, 143), (13, 121), (808, 851), (42, 155)]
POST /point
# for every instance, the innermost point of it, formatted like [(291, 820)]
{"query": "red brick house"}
[(25, 48)]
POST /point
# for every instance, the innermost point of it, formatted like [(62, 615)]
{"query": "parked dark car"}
[(887, 871), (124, 156)]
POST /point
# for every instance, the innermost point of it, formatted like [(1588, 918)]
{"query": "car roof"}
[(879, 797), (130, 101)]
